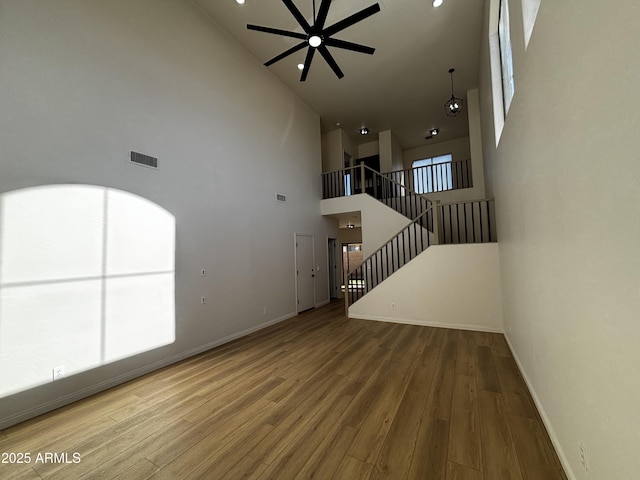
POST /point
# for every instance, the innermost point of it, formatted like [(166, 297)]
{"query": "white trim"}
[(295, 264), (410, 321), (545, 419), (112, 382)]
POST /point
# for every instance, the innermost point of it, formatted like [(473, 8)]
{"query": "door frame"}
[(334, 271), (295, 266)]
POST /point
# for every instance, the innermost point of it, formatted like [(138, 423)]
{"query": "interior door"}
[(305, 272)]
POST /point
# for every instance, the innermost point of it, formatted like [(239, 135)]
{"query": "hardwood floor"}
[(318, 396)]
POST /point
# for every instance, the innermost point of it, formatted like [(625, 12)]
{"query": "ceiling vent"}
[(144, 160), (280, 197)]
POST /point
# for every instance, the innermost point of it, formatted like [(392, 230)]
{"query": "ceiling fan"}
[(318, 37)]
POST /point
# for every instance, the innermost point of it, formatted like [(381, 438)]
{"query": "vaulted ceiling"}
[(401, 87)]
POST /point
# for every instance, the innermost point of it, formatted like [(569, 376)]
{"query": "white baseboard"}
[(545, 419), (112, 382), (408, 321)]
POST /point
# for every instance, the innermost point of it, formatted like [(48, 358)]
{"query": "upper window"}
[(432, 174), (529, 14), (506, 56)]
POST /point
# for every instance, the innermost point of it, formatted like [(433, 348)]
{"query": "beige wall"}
[(566, 177), (379, 222), (84, 82), (453, 286)]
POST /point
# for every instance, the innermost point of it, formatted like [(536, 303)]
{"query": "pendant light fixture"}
[(453, 106)]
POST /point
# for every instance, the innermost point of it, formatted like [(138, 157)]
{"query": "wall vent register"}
[(144, 160)]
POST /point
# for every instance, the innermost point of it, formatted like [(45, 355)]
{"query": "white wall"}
[(391, 158), (368, 149), (566, 177), (83, 82), (453, 286), (379, 222)]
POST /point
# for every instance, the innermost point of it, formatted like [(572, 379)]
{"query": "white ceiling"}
[(401, 87)]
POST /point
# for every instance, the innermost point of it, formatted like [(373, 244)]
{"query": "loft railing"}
[(363, 179), (467, 222), (439, 177), (453, 223)]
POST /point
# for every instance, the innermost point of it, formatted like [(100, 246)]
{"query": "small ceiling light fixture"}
[(432, 133), (300, 66), (453, 106), (364, 131), (437, 3), (240, 2)]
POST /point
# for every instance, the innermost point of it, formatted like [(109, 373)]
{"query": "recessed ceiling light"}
[(240, 2), (437, 3), (300, 66)]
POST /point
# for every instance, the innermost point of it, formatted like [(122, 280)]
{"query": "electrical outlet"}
[(583, 456), (203, 299), (58, 373)]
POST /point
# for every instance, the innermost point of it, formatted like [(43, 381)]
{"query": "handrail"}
[(411, 222), (385, 261), (364, 179), (465, 221), (474, 200)]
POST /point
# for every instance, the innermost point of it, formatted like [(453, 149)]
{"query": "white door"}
[(305, 272)]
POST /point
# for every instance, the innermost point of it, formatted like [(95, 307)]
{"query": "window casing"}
[(506, 55)]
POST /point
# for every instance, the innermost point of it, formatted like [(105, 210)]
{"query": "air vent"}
[(280, 197), (144, 160)]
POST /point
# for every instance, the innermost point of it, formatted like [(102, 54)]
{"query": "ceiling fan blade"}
[(356, 47), (307, 64), (353, 19), (322, 14), (329, 59), (294, 49), (297, 15), (277, 31)]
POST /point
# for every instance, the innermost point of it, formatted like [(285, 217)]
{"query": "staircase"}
[(428, 224), (384, 188)]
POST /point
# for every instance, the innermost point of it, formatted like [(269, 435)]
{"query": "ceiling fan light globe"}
[(315, 41)]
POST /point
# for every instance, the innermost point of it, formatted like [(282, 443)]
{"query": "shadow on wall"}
[(87, 277)]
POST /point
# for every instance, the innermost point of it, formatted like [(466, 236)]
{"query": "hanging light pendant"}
[(453, 106)]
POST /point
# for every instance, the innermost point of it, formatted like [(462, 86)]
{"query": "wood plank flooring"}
[(319, 396)]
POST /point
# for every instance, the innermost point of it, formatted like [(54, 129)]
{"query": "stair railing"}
[(407, 244), (451, 223), (363, 179)]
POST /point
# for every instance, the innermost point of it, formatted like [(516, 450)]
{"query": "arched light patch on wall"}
[(87, 277)]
